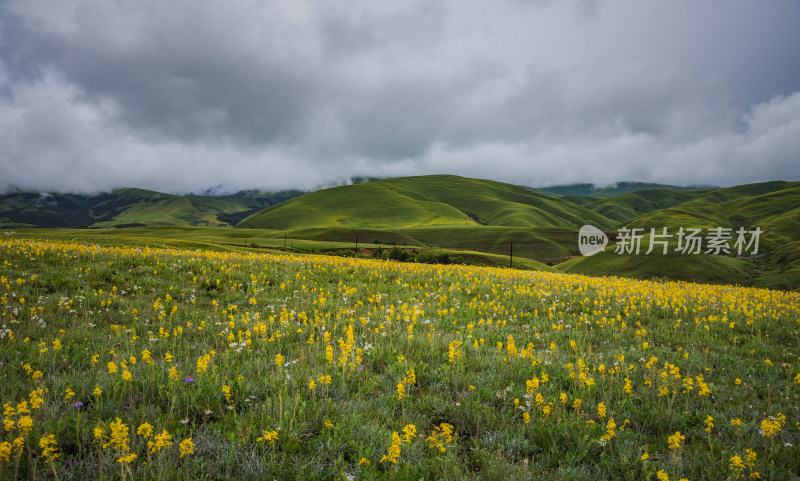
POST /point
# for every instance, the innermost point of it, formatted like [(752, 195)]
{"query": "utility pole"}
[(510, 253)]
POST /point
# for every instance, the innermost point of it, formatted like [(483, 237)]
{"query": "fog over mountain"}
[(190, 95)]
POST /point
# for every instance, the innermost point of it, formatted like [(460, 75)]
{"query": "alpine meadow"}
[(303, 240), (129, 358)]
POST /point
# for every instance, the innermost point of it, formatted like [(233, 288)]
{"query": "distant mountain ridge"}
[(211, 207), (593, 190), (132, 207)]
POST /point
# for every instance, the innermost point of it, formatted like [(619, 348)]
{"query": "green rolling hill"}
[(131, 207), (436, 211), (479, 215), (625, 207), (774, 207), (426, 201), (696, 268)]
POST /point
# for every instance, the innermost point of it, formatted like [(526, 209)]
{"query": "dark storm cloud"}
[(187, 95)]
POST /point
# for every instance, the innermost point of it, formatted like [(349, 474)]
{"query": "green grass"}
[(441, 211), (775, 266), (773, 206), (487, 245), (454, 212), (434, 200), (464, 214), (546, 244), (337, 242), (625, 207), (132, 207), (705, 268), (491, 349)]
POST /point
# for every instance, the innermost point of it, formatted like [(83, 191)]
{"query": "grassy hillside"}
[(436, 211), (774, 207), (373, 205), (336, 242), (624, 207), (695, 268), (125, 207), (437, 200), (502, 219), (781, 270), (547, 244)]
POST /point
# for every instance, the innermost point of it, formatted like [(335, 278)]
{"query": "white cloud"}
[(184, 96)]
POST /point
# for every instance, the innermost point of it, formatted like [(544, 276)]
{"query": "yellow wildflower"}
[(145, 430), (49, 447), (393, 453), (127, 459), (25, 424), (441, 437), (269, 436), (187, 447), (676, 441), (709, 423), (161, 441), (409, 432), (772, 426), (5, 452), (601, 410)]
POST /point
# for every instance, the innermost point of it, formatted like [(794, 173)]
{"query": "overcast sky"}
[(189, 95)]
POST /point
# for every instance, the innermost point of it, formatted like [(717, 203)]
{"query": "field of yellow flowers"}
[(120, 360)]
